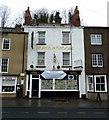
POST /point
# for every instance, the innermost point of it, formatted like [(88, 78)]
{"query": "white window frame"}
[(64, 42), (97, 59), (14, 84), (41, 37), (38, 58), (101, 83), (92, 84), (3, 43), (96, 39), (65, 59), (6, 65)]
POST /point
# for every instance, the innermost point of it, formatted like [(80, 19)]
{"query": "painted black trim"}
[(41, 44), (66, 44), (97, 73), (40, 66), (79, 67), (66, 66), (11, 75), (96, 92)]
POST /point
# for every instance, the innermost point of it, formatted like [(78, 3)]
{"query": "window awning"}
[(53, 74)]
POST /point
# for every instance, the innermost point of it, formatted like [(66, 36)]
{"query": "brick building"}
[(96, 61)]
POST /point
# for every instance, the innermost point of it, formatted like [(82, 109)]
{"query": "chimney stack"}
[(76, 18), (27, 17)]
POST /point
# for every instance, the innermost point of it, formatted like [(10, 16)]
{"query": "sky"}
[(92, 12)]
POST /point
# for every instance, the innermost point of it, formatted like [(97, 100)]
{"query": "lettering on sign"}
[(53, 48)]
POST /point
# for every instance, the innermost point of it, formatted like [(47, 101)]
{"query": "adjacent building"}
[(13, 57), (96, 61)]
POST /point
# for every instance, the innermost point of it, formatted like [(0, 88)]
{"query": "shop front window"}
[(8, 84), (100, 83), (47, 84), (97, 83), (90, 83)]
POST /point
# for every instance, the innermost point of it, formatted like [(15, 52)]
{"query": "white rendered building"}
[(55, 61)]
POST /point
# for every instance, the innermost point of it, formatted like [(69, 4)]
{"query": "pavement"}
[(53, 103)]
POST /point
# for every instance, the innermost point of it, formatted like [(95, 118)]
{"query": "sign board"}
[(70, 77), (22, 82), (22, 74)]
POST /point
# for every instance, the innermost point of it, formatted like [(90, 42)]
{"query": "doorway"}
[(35, 88)]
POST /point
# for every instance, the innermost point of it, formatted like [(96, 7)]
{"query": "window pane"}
[(102, 87), (94, 60), (47, 84), (96, 39), (100, 61), (97, 87), (90, 79), (6, 43), (98, 80), (41, 58), (41, 37), (60, 84), (90, 83), (4, 67), (102, 79), (65, 37), (66, 59)]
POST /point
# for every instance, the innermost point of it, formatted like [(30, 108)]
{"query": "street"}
[(48, 109), (54, 113)]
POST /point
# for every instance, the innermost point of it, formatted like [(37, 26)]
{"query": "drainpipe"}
[(23, 55), (71, 44)]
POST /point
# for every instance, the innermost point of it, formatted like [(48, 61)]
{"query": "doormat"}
[(61, 101)]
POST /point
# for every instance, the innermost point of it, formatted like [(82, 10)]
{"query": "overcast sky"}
[(93, 12)]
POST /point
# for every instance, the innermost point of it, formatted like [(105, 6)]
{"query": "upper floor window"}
[(66, 59), (97, 60), (41, 37), (96, 39), (6, 44), (41, 58), (4, 65), (66, 37)]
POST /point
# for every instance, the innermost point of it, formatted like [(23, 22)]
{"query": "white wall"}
[(53, 37)]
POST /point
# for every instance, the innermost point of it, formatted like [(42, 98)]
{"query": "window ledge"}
[(66, 66), (41, 44), (40, 66), (8, 92), (3, 72), (6, 49), (97, 66), (66, 44)]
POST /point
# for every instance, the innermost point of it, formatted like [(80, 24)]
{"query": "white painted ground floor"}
[(41, 84)]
